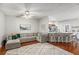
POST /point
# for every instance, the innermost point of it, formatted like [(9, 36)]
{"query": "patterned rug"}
[(38, 49)]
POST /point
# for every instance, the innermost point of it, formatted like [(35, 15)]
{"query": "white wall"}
[(2, 26), (43, 25), (12, 24)]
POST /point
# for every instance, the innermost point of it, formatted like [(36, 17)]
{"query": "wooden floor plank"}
[(68, 47), (2, 50)]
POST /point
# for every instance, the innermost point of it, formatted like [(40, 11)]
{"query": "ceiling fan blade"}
[(20, 15)]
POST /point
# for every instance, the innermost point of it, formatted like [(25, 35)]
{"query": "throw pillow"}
[(18, 35), (14, 37)]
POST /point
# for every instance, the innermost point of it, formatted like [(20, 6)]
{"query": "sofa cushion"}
[(26, 39), (29, 35), (26, 35), (11, 44), (23, 35)]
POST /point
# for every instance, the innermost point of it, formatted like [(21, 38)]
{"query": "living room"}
[(25, 24)]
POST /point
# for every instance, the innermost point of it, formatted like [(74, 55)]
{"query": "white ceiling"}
[(57, 11)]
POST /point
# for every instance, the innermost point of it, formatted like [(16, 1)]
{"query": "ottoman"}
[(12, 44)]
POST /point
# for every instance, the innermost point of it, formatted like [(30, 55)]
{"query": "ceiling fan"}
[(26, 13), (29, 11)]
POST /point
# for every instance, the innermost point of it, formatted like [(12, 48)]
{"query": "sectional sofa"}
[(15, 40)]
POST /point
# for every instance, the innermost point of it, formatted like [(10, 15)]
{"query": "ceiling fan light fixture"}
[(27, 13)]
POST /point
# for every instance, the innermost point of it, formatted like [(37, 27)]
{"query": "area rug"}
[(38, 49)]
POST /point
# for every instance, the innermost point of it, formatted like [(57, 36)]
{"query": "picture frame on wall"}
[(25, 26)]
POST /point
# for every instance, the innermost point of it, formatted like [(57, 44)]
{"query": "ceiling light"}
[(27, 13)]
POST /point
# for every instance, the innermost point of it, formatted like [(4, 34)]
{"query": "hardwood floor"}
[(73, 48), (3, 50), (66, 46)]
